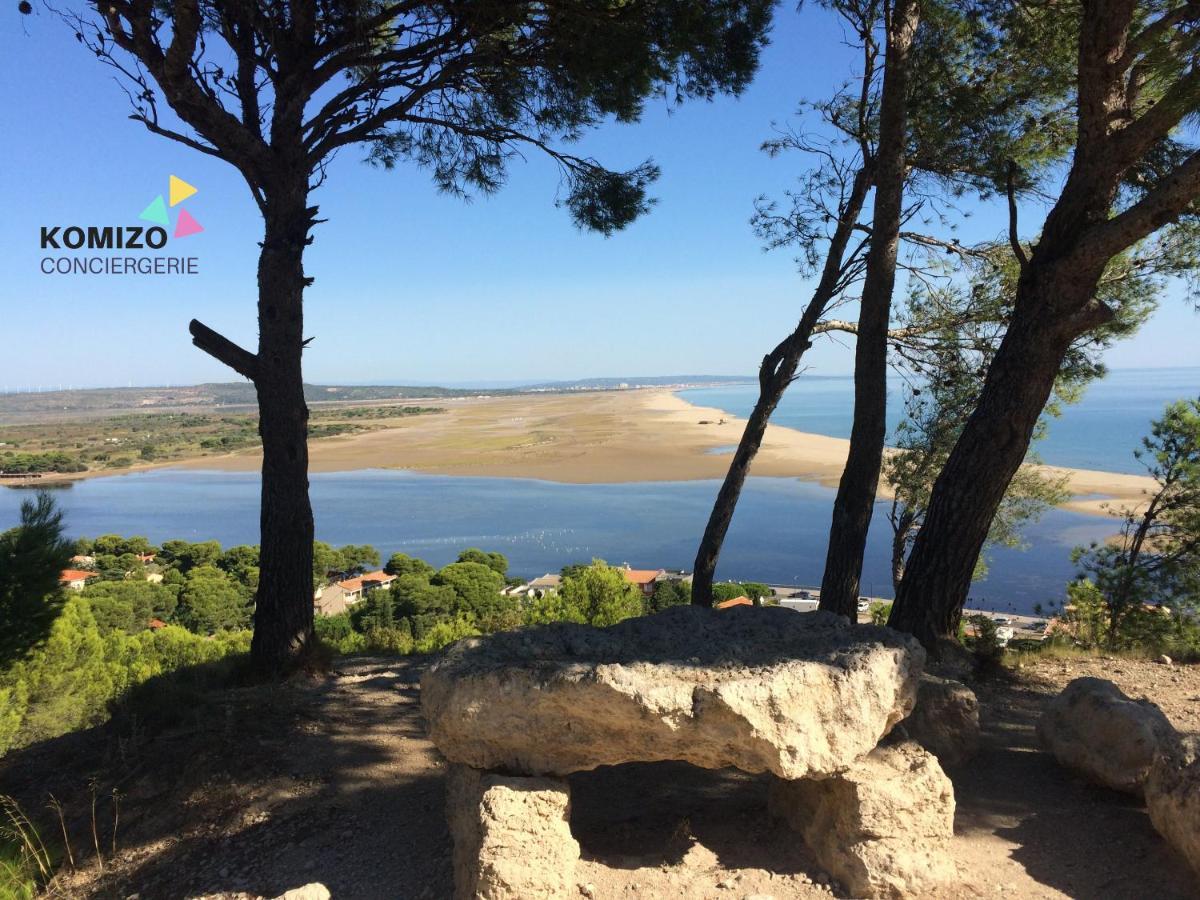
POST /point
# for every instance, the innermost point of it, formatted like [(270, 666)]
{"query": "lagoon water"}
[(778, 534), (1100, 432)]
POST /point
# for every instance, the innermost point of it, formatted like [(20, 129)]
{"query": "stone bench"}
[(806, 697)]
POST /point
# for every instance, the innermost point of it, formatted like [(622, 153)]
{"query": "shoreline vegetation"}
[(38, 452), (609, 436)]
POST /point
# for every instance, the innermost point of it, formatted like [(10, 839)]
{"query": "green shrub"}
[(446, 632), (985, 643), (70, 681)]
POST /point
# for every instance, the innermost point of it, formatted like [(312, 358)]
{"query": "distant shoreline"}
[(611, 436)]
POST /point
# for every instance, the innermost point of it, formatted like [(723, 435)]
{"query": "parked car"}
[(864, 605), (1003, 620)]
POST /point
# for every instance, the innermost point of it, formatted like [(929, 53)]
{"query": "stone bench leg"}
[(512, 838), (882, 827)]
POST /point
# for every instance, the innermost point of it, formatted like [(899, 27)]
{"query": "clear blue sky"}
[(413, 286)]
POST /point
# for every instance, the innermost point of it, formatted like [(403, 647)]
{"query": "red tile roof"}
[(76, 575), (641, 576), (736, 601), (356, 584)]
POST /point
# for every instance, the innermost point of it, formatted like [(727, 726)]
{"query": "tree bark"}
[(855, 499), (1055, 303), (976, 476), (283, 620), (776, 373), (903, 522)]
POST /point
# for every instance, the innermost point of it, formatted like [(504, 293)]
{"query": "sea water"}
[(1100, 432)]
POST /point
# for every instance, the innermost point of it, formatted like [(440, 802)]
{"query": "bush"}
[(985, 644), (389, 640), (70, 681), (670, 592), (332, 629), (446, 632), (601, 595)]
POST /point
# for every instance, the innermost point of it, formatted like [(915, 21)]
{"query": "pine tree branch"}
[(221, 348), (1014, 239), (1169, 200)]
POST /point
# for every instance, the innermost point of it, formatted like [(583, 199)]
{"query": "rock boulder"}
[(882, 827), (1094, 728), (762, 689), (1173, 797), (946, 720)]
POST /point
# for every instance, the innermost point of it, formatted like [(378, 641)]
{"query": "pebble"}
[(588, 890)]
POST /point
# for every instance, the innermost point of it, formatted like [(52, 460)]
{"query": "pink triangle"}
[(185, 225)]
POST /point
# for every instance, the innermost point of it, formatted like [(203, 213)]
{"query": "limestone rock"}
[(1094, 728), (512, 840), (946, 720), (314, 891), (758, 688), (882, 827), (1173, 797)]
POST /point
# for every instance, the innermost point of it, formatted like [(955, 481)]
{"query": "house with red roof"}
[(339, 596), (75, 579), (645, 579), (735, 601)]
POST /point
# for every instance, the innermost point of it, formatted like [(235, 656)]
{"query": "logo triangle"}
[(185, 225), (180, 190), (156, 212)]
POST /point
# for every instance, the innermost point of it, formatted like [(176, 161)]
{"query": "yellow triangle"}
[(180, 190)]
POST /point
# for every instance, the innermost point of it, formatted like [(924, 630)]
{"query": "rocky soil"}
[(332, 779)]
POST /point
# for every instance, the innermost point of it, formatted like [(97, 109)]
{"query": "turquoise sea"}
[(1100, 432)]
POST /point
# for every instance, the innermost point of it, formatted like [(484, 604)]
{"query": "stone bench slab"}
[(762, 689)]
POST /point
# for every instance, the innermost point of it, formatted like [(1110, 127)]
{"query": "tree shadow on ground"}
[(1083, 840), (650, 814), (256, 789)]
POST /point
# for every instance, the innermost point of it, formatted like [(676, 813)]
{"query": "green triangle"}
[(156, 212)]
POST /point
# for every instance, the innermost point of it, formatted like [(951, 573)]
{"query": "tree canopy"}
[(32, 558), (1156, 559)]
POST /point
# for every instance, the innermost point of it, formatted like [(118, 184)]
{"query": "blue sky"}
[(417, 287)]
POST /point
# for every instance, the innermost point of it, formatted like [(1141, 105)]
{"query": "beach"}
[(610, 437)]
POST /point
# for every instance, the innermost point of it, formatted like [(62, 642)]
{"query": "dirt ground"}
[(331, 779)]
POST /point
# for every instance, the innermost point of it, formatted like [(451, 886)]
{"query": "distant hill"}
[(93, 402), (107, 401)]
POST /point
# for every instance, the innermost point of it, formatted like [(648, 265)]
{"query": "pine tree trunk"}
[(776, 373), (902, 525), (731, 489), (283, 620), (1055, 303), (855, 499), (977, 473)]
